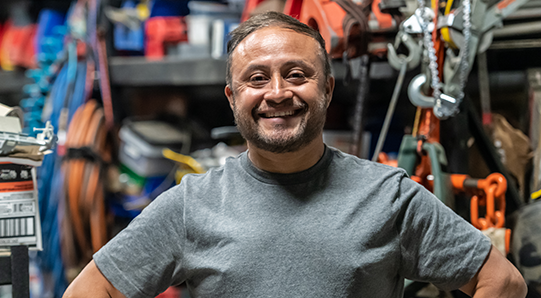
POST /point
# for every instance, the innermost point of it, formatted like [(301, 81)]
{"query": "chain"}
[(433, 60), (435, 83), (465, 65)]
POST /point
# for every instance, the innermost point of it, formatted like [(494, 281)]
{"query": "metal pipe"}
[(390, 110), (518, 29), (525, 14)]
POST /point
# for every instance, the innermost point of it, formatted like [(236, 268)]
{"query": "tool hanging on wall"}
[(421, 154), (447, 71), (402, 63)]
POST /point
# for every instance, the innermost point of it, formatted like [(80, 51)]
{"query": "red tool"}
[(325, 16), (160, 31), (18, 45)]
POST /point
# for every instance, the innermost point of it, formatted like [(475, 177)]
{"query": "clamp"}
[(45, 140)]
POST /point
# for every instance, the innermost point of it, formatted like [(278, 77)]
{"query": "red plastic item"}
[(18, 42), (171, 292), (160, 31), (248, 7), (325, 16)]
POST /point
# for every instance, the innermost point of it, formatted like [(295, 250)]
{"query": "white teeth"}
[(279, 114)]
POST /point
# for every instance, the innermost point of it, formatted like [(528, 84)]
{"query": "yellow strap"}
[(446, 35), (448, 7), (187, 160), (445, 32), (536, 195)]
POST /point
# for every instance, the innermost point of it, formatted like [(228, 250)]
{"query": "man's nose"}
[(278, 90)]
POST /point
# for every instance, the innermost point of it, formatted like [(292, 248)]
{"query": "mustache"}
[(297, 105)]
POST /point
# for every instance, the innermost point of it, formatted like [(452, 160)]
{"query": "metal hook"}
[(414, 57), (415, 94)]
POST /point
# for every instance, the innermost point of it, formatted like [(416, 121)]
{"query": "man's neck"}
[(290, 162)]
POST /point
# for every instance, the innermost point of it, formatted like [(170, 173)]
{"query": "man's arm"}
[(91, 283), (496, 278)]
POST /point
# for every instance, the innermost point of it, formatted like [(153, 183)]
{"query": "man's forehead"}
[(274, 34)]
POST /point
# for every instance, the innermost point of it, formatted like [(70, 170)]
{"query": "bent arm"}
[(91, 283), (496, 278)]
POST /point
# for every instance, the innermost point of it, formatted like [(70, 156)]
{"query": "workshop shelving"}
[(141, 72)]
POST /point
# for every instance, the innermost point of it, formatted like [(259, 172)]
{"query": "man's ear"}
[(329, 88), (229, 94)]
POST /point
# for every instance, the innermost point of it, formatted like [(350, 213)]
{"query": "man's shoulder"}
[(352, 163), (230, 166)]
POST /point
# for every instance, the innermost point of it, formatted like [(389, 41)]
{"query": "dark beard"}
[(310, 128)]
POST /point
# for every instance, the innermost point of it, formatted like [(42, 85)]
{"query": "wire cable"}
[(390, 111)]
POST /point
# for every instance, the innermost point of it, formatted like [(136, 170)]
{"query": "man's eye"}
[(258, 78), (297, 75)]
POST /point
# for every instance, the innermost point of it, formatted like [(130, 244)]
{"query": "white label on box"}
[(19, 212), (20, 208)]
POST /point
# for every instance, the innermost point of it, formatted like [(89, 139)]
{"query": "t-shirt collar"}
[(287, 179)]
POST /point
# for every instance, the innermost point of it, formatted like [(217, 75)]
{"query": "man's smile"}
[(280, 114)]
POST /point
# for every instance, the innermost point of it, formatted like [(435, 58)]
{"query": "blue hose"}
[(68, 92)]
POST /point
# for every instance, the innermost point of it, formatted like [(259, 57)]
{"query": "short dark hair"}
[(273, 19)]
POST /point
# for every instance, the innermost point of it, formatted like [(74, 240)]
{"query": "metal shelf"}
[(141, 72)]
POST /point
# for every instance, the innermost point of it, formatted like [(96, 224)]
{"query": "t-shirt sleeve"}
[(437, 245), (145, 258)]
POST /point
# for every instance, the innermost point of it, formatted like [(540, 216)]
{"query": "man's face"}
[(279, 93)]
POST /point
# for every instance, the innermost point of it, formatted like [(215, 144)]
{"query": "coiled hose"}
[(84, 166)]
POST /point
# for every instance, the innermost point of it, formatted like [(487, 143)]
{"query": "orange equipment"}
[(489, 193), (88, 153), (343, 24), (325, 16)]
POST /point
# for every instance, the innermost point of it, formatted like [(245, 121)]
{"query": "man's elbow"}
[(92, 283), (515, 285), (511, 285), (496, 278)]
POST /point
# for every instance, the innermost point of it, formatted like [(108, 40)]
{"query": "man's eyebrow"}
[(301, 63), (253, 67)]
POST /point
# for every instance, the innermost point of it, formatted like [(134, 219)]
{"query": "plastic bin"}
[(142, 143)]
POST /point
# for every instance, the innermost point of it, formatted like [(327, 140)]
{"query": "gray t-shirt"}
[(344, 228)]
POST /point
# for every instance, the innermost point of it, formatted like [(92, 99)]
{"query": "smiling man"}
[(279, 95), (292, 217)]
